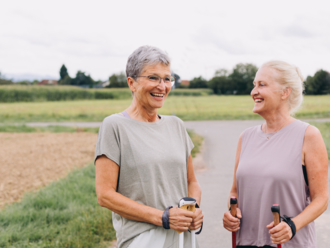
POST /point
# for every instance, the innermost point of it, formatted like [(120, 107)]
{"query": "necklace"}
[(268, 136)]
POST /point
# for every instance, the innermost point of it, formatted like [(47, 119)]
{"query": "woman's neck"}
[(276, 122), (140, 113)]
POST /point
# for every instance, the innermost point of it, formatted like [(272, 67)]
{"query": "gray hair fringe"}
[(145, 55)]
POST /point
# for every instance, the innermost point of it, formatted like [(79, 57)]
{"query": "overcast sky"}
[(37, 37)]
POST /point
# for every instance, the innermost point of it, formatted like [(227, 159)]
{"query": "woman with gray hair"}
[(143, 162), (283, 161)]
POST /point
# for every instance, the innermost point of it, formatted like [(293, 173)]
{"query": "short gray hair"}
[(145, 55)]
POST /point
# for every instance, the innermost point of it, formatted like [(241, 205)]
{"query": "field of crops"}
[(186, 107)]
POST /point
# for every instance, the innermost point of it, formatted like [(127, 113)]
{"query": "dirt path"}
[(29, 161)]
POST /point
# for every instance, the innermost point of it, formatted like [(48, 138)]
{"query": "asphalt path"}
[(220, 141)]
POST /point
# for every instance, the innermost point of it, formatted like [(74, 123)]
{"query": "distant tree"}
[(242, 78), (198, 82), (177, 80), (63, 72), (4, 81), (319, 84), (221, 85), (118, 81), (82, 79), (221, 72), (65, 81)]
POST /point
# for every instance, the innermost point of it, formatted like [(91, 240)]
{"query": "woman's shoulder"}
[(113, 120), (173, 120), (251, 130)]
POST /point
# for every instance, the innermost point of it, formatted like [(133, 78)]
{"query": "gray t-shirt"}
[(153, 159)]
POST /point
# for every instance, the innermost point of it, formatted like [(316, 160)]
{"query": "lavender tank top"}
[(270, 172)]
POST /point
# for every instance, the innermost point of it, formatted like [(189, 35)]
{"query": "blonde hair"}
[(289, 76)]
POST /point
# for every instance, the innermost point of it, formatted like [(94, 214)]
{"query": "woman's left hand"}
[(280, 233), (197, 219)]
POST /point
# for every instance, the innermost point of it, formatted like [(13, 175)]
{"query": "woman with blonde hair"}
[(282, 161)]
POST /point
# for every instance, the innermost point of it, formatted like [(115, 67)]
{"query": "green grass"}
[(63, 214), (324, 128), (197, 140), (186, 107)]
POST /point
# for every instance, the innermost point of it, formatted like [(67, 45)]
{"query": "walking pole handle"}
[(233, 212), (233, 206), (276, 215)]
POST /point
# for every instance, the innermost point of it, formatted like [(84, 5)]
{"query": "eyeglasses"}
[(157, 79)]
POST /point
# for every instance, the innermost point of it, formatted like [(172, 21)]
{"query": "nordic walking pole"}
[(187, 203), (276, 216), (233, 211)]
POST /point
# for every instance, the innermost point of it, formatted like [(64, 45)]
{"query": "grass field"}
[(325, 131), (63, 214), (186, 107)]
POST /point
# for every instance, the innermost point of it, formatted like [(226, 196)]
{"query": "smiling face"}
[(148, 94), (267, 93)]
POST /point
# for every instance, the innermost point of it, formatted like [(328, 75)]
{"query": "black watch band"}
[(165, 218), (291, 224)]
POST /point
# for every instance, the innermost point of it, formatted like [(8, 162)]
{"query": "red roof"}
[(44, 82), (185, 82)]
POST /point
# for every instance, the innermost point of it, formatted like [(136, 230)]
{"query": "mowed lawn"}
[(186, 107)]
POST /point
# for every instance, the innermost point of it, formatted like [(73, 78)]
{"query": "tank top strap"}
[(125, 114)]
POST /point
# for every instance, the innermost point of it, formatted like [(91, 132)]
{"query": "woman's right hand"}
[(180, 219), (230, 222)]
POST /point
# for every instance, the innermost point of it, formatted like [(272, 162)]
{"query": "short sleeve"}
[(108, 142), (187, 140), (189, 143)]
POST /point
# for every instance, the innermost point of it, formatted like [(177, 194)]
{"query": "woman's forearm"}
[(311, 212), (130, 209), (194, 191)]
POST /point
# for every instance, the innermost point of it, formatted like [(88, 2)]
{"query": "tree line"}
[(116, 80), (240, 81), (237, 82), (82, 79)]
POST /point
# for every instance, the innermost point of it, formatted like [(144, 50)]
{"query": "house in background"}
[(185, 82), (48, 82)]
